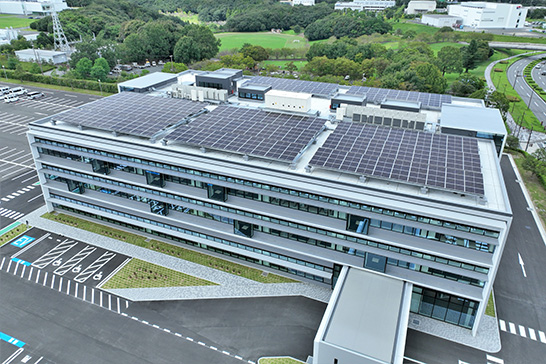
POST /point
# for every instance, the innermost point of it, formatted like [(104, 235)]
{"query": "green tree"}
[(449, 59), (44, 41), (97, 73), (470, 56), (102, 63), (256, 52), (12, 63), (19, 72), (186, 51), (498, 99), (83, 67), (429, 78), (174, 67), (204, 40), (291, 67), (467, 84), (34, 68), (512, 142)]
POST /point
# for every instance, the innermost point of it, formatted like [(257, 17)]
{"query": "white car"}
[(11, 98), (17, 91), (34, 95)]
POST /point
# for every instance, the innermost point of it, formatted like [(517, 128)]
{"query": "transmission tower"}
[(61, 43)]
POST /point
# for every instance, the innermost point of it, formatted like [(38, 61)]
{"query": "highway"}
[(531, 99)]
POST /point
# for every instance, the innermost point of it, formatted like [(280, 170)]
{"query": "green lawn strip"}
[(8, 236), (53, 87), (14, 21), (140, 274), (279, 360), (173, 250), (536, 190), (418, 28), (513, 39), (264, 39), (519, 110), (490, 309), (529, 78)]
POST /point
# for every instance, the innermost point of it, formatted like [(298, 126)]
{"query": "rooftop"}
[(149, 80), (480, 119)]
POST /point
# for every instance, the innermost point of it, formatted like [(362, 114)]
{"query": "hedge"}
[(67, 82)]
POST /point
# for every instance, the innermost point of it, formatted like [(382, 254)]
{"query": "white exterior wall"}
[(28, 8), (417, 7), (489, 15), (288, 101), (437, 21), (44, 56), (365, 5), (303, 2)]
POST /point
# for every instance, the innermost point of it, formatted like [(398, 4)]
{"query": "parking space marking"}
[(71, 264), (94, 267), (54, 254)]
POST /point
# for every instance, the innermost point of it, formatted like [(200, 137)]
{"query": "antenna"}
[(61, 43)]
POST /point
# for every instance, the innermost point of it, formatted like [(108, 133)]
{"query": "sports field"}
[(14, 21), (264, 39)]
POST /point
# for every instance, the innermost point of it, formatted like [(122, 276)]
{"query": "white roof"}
[(480, 119), (149, 80), (38, 52)]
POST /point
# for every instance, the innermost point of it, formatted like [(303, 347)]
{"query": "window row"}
[(162, 209), (194, 233), (398, 214)]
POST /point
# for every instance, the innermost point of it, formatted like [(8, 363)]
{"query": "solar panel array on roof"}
[(285, 84), (250, 132), (435, 160), (377, 95), (131, 113)]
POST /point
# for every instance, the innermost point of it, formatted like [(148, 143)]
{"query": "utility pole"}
[(38, 60), (172, 64), (528, 140), (530, 99)]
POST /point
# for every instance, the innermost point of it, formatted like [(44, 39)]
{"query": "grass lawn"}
[(510, 38), (7, 20), (173, 250), (518, 109), (186, 16), (13, 233), (140, 274), (279, 360), (282, 64), (418, 28), (264, 39), (490, 309), (537, 192)]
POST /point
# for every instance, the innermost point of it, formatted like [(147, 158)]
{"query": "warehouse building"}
[(368, 5), (41, 55), (287, 184), (489, 15)]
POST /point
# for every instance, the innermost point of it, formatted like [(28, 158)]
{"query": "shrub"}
[(498, 70)]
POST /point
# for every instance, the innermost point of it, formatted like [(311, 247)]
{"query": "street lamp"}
[(172, 64), (5, 74), (100, 85)]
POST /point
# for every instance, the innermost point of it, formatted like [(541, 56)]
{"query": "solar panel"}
[(251, 132), (285, 84), (131, 113), (440, 161), (378, 95)]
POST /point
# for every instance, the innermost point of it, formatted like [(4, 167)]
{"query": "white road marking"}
[(201, 343), (34, 198), (37, 276), (177, 334), (93, 295), (39, 360), (100, 298), (118, 305), (532, 334), (67, 286), (1, 265), (494, 359), (52, 280), (520, 260), (60, 283), (84, 292), (512, 328), (30, 273), (13, 356), (542, 337), (522, 331), (45, 279)]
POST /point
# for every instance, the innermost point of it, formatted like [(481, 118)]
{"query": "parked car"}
[(18, 91), (34, 95), (543, 73), (4, 90), (11, 98), (160, 62), (154, 64), (126, 67)]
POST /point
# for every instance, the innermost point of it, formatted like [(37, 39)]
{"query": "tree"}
[(498, 99), (291, 67), (256, 52), (44, 41), (83, 67), (512, 142), (102, 63), (186, 51), (34, 68), (450, 60), (19, 72), (429, 78), (470, 56), (173, 67), (204, 40), (98, 73), (12, 63), (467, 84)]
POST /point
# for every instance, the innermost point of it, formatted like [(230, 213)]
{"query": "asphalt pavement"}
[(19, 191)]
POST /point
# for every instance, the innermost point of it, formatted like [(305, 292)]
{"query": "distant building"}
[(30, 7), (32, 55), (298, 2), (420, 7), (438, 20), (370, 5), (489, 15)]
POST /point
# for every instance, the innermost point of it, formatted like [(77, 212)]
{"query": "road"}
[(538, 77), (531, 99), (19, 193)]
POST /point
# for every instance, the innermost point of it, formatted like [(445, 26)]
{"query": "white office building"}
[(420, 7), (369, 5), (489, 15), (389, 184), (441, 20), (41, 55), (31, 7)]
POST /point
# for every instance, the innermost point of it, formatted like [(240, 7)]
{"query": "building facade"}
[(30, 7), (369, 5), (41, 55), (489, 15), (439, 20), (420, 7), (253, 184)]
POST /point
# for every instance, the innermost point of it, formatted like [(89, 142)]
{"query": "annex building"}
[(302, 177), (479, 14)]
